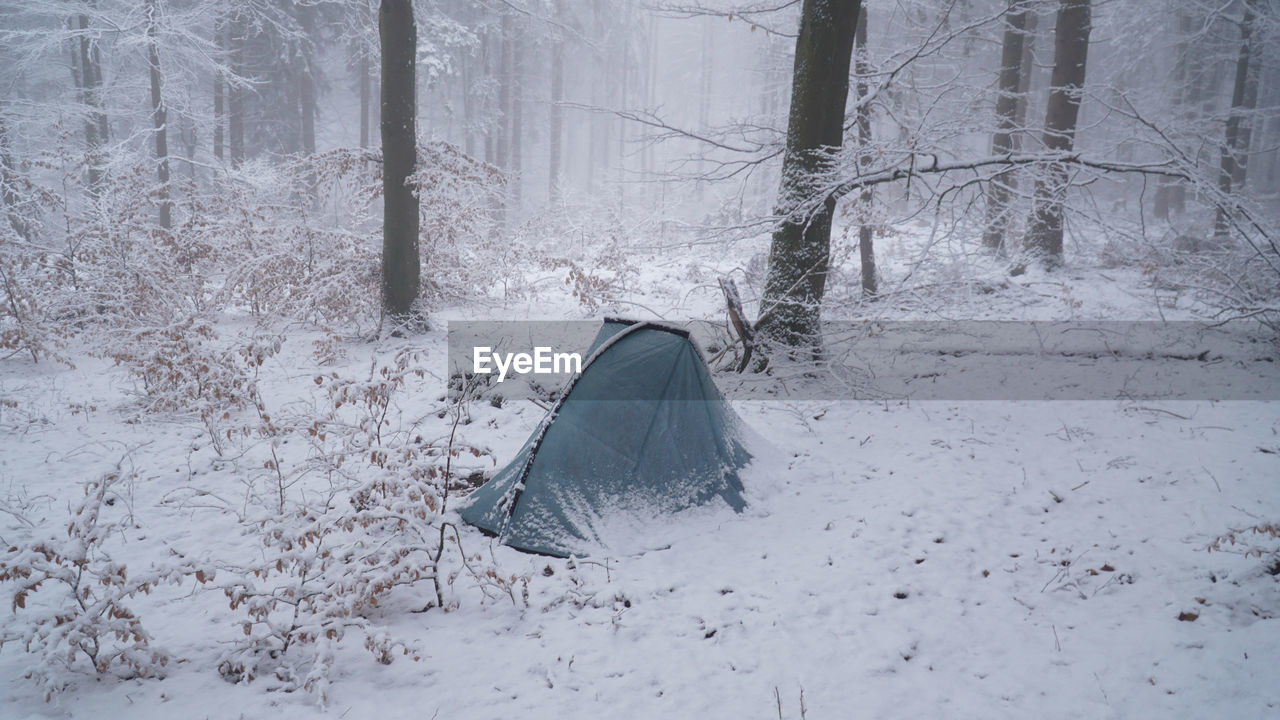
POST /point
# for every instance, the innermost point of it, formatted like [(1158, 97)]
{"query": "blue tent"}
[(642, 432)]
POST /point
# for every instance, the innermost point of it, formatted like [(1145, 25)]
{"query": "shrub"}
[(74, 594), (1261, 541), (332, 562)]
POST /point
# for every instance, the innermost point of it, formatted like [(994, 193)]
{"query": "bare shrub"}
[(1261, 541), (73, 595), (365, 544)]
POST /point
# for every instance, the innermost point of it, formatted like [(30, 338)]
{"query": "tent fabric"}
[(641, 433)]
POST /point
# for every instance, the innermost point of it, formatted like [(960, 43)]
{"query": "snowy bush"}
[(23, 275), (304, 240), (22, 321), (73, 595), (280, 258), (297, 240), (94, 266), (185, 367), (376, 533)]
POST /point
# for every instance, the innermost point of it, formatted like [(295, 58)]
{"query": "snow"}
[(898, 558)]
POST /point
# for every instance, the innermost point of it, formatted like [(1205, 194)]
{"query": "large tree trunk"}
[(1004, 184), (1070, 55), (400, 264), (866, 250), (159, 117), (1244, 98), (1026, 71), (798, 255)]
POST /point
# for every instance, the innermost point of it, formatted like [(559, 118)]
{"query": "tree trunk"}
[(1244, 98), (555, 118), (706, 85), (505, 42), (97, 130), (159, 117), (219, 89), (1005, 184), (467, 81), (77, 78), (625, 89), (236, 92), (490, 143), (798, 254), (1026, 69), (400, 263), (866, 250), (307, 79), (1168, 189), (593, 136), (1070, 55), (517, 120), (364, 100)]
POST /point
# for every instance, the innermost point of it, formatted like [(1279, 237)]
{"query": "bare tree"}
[(220, 86), (1170, 195), (86, 68), (400, 262), (307, 77), (365, 98), (516, 78), (1244, 98), (866, 251), (159, 115), (1002, 142), (799, 252), (236, 39), (1070, 55), (555, 112)]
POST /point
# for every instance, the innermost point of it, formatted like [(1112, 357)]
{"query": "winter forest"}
[(936, 372)]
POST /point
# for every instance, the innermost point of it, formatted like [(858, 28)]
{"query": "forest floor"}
[(899, 558)]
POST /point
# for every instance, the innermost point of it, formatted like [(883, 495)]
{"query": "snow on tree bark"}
[(1070, 55), (798, 254), (1002, 142)]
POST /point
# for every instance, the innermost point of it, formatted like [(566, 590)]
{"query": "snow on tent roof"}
[(641, 433)]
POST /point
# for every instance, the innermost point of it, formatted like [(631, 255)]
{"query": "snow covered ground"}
[(898, 558)]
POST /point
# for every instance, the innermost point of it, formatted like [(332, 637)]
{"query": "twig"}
[(1162, 410), (1211, 475)]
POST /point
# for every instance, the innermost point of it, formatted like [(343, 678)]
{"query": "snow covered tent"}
[(641, 433)]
